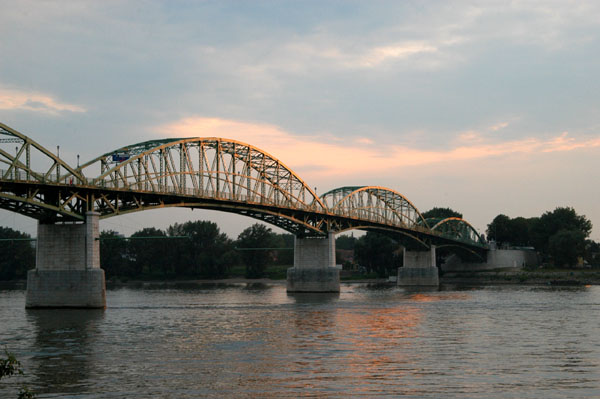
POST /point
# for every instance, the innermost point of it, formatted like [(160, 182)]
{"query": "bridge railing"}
[(21, 176), (24, 176), (280, 201), (13, 175)]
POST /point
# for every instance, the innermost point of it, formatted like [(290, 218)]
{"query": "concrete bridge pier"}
[(67, 273), (314, 266), (419, 269)]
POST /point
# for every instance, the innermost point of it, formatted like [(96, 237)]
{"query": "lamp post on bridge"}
[(58, 164), (15, 162)]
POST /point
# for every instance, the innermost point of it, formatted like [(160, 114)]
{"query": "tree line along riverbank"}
[(199, 250)]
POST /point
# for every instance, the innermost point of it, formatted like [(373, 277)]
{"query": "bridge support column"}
[(419, 269), (314, 266), (67, 273)]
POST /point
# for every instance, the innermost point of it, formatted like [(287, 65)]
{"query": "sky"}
[(484, 107)]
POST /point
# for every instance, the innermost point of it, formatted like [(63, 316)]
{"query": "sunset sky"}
[(484, 107)]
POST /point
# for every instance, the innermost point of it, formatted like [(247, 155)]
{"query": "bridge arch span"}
[(18, 167), (404, 237), (458, 229), (210, 167), (375, 204)]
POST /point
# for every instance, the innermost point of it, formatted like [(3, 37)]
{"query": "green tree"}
[(517, 231), (343, 245), (10, 366), (377, 253), (250, 241), (566, 246), (592, 253), (284, 256), (17, 255), (500, 229), (344, 241), (113, 254), (562, 218), (207, 252), (441, 213), (521, 231), (149, 256), (559, 236)]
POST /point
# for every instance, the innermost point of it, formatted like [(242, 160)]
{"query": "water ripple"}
[(239, 341)]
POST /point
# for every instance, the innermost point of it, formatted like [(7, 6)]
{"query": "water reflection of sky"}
[(258, 341)]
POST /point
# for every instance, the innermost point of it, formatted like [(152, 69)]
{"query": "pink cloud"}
[(498, 126), (379, 55), (329, 156), (36, 102)]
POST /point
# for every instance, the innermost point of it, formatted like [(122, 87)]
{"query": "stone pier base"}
[(419, 269), (314, 261), (66, 289), (313, 280), (67, 270)]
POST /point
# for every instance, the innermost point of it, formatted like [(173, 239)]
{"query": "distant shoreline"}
[(524, 277), (484, 278), (496, 277)]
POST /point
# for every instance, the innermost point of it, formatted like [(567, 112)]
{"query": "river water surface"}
[(246, 341)]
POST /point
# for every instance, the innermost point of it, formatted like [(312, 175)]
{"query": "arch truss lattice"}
[(458, 230), (29, 179), (212, 173), (18, 165), (374, 204), (204, 168)]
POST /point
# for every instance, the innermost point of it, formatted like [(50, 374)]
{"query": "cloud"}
[(319, 54), (379, 55), (498, 126), (328, 155), (364, 141), (36, 102), (566, 143), (469, 137)]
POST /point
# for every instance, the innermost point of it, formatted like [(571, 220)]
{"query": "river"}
[(247, 341)]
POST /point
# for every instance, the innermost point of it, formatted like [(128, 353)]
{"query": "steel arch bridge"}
[(209, 173)]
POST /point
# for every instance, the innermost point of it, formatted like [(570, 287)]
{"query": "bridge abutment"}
[(314, 266), (419, 269), (67, 273)]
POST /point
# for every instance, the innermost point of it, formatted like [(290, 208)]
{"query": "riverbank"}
[(249, 283), (493, 277), (183, 284), (520, 276)]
